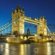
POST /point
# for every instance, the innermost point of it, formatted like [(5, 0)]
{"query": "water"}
[(27, 49)]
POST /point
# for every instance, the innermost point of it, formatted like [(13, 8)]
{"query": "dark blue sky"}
[(33, 8)]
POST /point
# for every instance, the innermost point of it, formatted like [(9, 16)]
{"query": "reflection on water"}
[(27, 49), (6, 50), (48, 49)]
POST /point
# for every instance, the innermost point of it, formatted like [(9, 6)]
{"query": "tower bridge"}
[(21, 18), (18, 19)]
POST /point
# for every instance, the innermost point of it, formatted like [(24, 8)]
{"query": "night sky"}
[(33, 8)]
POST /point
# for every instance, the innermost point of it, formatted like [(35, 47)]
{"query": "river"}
[(27, 49)]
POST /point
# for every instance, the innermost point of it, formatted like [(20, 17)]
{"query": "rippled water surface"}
[(27, 49)]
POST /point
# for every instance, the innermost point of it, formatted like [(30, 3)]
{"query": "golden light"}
[(22, 50), (48, 49), (21, 37), (7, 39), (25, 38), (35, 35), (6, 49)]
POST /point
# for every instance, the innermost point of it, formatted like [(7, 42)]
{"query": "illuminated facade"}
[(18, 19), (42, 26)]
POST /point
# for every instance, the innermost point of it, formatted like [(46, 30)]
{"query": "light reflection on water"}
[(27, 49), (48, 49), (6, 49)]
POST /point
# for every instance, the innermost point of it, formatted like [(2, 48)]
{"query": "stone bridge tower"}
[(42, 26), (18, 21)]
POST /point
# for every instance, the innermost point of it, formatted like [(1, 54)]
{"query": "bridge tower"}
[(42, 26), (18, 21)]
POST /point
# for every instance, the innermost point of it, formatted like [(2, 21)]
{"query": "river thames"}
[(27, 49)]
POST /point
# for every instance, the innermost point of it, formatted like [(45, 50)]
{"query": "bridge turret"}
[(18, 20), (42, 26), (18, 12)]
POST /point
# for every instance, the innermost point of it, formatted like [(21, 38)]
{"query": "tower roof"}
[(18, 8)]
